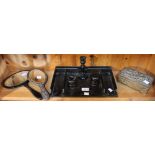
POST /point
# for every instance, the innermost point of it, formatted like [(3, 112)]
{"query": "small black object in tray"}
[(82, 81)]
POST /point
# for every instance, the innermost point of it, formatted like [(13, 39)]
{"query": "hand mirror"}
[(20, 79), (39, 78)]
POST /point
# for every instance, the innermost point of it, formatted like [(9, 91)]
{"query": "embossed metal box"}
[(136, 79)]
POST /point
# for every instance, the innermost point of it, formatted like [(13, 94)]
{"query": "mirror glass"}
[(37, 76), (16, 79)]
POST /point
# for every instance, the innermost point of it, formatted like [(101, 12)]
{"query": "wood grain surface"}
[(49, 61), (11, 63)]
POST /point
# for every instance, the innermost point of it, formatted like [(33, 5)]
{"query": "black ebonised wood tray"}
[(93, 81)]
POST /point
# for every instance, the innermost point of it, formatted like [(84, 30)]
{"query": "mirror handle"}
[(34, 92), (44, 92)]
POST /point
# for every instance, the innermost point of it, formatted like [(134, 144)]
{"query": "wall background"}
[(49, 61)]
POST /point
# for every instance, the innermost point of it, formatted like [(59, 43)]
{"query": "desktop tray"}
[(97, 81)]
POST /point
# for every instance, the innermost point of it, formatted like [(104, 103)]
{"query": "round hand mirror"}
[(20, 79), (39, 78)]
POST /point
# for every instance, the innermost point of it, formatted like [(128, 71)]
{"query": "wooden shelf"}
[(124, 94)]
